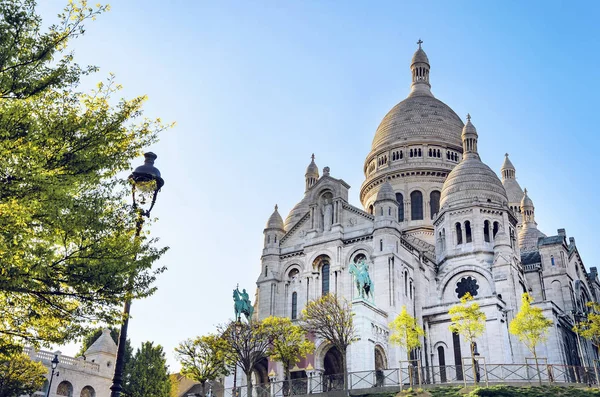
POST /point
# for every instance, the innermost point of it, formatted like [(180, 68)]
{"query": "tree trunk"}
[(345, 366), (473, 363), (286, 380), (203, 388), (537, 366), (249, 384)]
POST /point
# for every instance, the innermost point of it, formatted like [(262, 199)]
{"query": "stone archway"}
[(261, 378), (333, 366), (380, 366)]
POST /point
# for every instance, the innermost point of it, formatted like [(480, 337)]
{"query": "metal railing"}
[(408, 376)]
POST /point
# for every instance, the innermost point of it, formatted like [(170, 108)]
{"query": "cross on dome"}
[(312, 157), (420, 42), (468, 117)]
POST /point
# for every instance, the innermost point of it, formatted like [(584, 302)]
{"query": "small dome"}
[(296, 213), (386, 192), (312, 169), (419, 56), (472, 180), (526, 201), (104, 344), (275, 221), (529, 236)]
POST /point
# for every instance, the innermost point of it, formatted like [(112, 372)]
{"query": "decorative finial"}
[(313, 157), (276, 207), (505, 154), (419, 43), (525, 191), (468, 117)]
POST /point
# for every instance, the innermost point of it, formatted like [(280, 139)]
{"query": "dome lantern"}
[(508, 169), (419, 67), (469, 138), (312, 173)]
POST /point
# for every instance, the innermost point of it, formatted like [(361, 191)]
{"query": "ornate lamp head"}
[(55, 361), (146, 182)]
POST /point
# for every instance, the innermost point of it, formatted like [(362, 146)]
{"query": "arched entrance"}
[(261, 378), (333, 375), (380, 365)]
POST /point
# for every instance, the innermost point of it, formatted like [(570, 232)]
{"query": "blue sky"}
[(256, 87)]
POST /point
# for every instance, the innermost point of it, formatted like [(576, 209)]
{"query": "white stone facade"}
[(427, 160), (88, 376)]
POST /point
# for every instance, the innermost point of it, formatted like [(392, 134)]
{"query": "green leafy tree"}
[(531, 327), (288, 342), (66, 228), (247, 345), (19, 375), (147, 373), (406, 332), (590, 327), (469, 322), (204, 359), (332, 320)]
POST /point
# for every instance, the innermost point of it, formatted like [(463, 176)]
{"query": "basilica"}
[(435, 222)]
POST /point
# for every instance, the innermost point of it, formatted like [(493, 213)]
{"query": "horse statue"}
[(364, 285), (242, 304)]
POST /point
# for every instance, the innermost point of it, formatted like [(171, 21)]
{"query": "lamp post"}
[(237, 330), (54, 363), (145, 182)]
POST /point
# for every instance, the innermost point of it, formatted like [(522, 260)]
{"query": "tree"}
[(204, 359), (66, 231), (19, 375), (531, 327), (147, 374), (469, 322), (288, 342), (406, 333), (331, 319), (590, 328), (247, 344)]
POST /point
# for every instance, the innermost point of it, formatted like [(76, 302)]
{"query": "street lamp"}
[(236, 332), (145, 182), (54, 363)]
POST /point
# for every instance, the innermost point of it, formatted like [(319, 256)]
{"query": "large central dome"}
[(415, 147), (419, 118)]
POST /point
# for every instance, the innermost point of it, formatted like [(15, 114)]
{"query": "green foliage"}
[(66, 231), (540, 391), (19, 375), (590, 328), (467, 319), (405, 331), (530, 325), (288, 342), (147, 373), (204, 358)]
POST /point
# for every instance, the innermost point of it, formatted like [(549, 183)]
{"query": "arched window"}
[(458, 233), (405, 283), (439, 154), (495, 230), (371, 209), (88, 391), (400, 200), (275, 238), (325, 279), (410, 289), (293, 274), (552, 260), (411, 152), (380, 245), (486, 231), (420, 153), (64, 389), (268, 239), (294, 305), (434, 203), (442, 363), (416, 205), (401, 154), (430, 155), (468, 232)]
